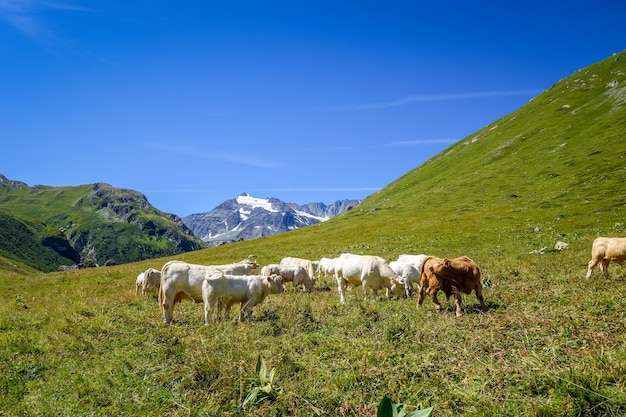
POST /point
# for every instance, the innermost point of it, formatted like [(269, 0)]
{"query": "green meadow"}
[(552, 343)]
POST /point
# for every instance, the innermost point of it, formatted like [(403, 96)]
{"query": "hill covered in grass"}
[(45, 227), (550, 344), (554, 170)]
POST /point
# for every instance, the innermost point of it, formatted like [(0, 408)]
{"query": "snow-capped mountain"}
[(247, 217)]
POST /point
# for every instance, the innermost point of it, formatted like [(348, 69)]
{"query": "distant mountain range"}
[(247, 217)]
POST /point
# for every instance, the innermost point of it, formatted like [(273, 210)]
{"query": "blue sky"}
[(194, 102)]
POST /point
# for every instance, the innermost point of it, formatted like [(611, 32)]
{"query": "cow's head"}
[(397, 286), (439, 265), (275, 284)]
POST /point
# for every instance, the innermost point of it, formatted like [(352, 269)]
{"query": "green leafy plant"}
[(262, 386), (387, 408)]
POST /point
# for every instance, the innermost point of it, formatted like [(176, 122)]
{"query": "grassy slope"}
[(552, 343)]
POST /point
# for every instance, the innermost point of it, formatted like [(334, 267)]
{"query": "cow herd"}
[(221, 286)]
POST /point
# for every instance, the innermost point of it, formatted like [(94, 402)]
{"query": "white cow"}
[(290, 273), (139, 282), (604, 250), (366, 270), (305, 263), (326, 266), (407, 275), (179, 281), (151, 279), (225, 290), (415, 260)]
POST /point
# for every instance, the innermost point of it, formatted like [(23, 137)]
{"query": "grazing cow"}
[(604, 250), (452, 276), (326, 266), (415, 260), (244, 267), (151, 279), (290, 273), (179, 281), (305, 263), (368, 271), (407, 275), (139, 282), (225, 290)]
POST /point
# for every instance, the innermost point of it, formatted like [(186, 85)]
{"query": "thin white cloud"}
[(321, 189), (237, 157), (443, 97), (422, 142), (303, 190), (25, 17)]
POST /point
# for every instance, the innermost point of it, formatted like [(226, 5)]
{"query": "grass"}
[(547, 346), (550, 344)]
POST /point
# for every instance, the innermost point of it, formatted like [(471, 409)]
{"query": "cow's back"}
[(235, 288), (465, 274), (307, 264), (610, 248)]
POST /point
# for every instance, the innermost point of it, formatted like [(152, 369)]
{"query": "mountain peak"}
[(248, 217)]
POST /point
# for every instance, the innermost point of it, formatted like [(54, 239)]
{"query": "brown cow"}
[(452, 276)]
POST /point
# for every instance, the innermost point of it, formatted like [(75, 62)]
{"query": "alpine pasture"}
[(551, 342)]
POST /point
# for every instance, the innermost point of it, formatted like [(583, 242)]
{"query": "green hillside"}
[(558, 165), (51, 226), (550, 344)]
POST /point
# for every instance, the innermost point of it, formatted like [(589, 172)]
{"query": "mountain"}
[(47, 227), (247, 217)]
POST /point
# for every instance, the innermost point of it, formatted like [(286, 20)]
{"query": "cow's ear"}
[(269, 278)]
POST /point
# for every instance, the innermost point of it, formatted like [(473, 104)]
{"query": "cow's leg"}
[(341, 286), (214, 306), (364, 285), (479, 295), (168, 307), (245, 311), (604, 267), (420, 297), (226, 305), (433, 296), (207, 312), (457, 301), (592, 264)]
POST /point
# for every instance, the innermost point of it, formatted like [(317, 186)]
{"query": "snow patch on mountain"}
[(247, 217)]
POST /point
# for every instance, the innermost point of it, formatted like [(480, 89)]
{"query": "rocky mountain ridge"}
[(246, 217), (86, 225)]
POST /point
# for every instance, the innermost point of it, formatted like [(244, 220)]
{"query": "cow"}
[(179, 281), (326, 266), (452, 276), (415, 260), (371, 272), (407, 275), (151, 279), (603, 251), (290, 273), (139, 282), (225, 290), (305, 263), (244, 267)]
